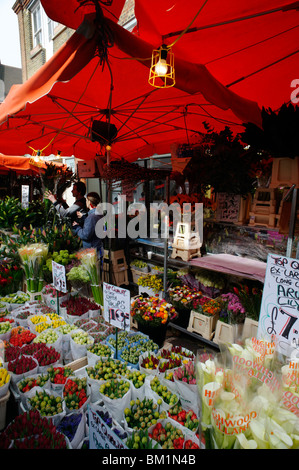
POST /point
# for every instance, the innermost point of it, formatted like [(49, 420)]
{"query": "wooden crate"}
[(202, 324)]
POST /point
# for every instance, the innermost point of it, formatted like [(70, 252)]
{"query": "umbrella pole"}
[(166, 224), (109, 200)]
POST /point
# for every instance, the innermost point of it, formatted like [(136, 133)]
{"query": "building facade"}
[(41, 37)]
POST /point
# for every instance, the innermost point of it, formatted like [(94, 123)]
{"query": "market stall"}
[(81, 354)]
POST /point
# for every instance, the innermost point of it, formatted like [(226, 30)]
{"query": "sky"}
[(9, 35)]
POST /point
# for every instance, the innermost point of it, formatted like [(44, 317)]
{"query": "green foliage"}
[(220, 161), (279, 135)]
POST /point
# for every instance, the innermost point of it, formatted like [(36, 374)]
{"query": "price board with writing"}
[(59, 279), (279, 314), (117, 306), (228, 207)]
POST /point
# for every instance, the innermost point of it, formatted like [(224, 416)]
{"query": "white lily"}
[(258, 432), (278, 438), (246, 443)]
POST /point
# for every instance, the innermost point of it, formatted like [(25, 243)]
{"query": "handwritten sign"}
[(228, 207), (100, 435), (279, 315), (59, 279), (117, 306)]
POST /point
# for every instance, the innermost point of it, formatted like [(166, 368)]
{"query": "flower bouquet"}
[(153, 284), (152, 315), (233, 306), (247, 407), (251, 299), (183, 296), (89, 260), (33, 258)]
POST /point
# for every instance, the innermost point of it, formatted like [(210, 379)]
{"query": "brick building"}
[(40, 37)]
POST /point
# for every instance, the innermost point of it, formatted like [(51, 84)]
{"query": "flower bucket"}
[(202, 324), (156, 333), (250, 328)]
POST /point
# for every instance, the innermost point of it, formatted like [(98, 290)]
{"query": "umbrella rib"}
[(262, 68), (223, 23), (251, 45)]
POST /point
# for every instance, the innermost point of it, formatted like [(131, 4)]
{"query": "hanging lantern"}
[(162, 73)]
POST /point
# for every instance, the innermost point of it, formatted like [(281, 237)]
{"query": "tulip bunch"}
[(29, 382), (30, 430), (59, 374), (20, 335), (142, 414), (186, 418), (150, 362), (168, 436), (75, 392), (186, 373)]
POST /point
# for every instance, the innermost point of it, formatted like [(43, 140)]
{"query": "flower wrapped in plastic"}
[(89, 260), (251, 408), (33, 258)]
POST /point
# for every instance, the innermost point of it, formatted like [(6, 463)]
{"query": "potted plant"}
[(204, 316)]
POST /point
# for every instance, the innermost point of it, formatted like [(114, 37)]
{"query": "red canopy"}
[(235, 58)]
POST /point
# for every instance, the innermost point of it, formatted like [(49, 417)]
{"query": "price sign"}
[(117, 306), (101, 435), (59, 279), (279, 315)]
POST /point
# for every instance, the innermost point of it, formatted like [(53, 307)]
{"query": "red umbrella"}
[(76, 103)]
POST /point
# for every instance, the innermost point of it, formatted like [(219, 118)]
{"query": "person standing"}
[(78, 191), (87, 233)]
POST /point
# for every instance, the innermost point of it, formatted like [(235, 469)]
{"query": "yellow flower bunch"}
[(152, 281)]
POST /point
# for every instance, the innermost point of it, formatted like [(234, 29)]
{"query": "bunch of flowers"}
[(30, 430), (251, 299), (89, 260), (152, 310), (33, 258), (251, 414), (10, 277), (50, 290), (236, 311), (182, 297), (152, 282), (77, 305), (186, 373)]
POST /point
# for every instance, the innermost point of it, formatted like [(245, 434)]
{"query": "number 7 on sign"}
[(285, 331)]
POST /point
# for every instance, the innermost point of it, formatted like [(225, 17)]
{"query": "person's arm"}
[(87, 231)]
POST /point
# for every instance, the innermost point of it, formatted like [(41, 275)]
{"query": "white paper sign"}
[(100, 435), (59, 279), (117, 306), (279, 315)]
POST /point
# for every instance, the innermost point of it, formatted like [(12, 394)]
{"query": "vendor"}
[(87, 232), (78, 191)]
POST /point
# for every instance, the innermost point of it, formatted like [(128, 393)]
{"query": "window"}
[(37, 25)]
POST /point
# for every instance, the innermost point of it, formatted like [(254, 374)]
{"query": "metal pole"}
[(292, 221), (166, 225)]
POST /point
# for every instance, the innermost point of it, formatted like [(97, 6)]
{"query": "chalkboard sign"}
[(279, 314), (228, 207)]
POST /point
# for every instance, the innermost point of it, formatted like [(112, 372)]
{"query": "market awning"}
[(234, 59), (21, 164)]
